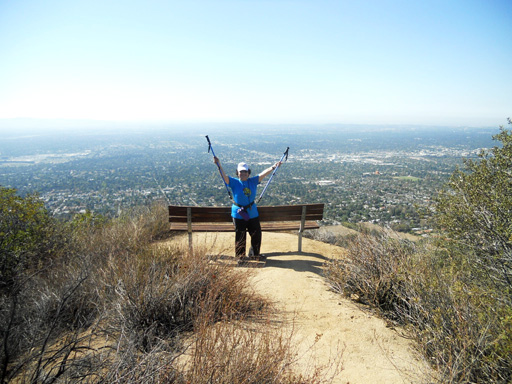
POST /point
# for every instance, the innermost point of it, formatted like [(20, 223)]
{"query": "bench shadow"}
[(314, 265)]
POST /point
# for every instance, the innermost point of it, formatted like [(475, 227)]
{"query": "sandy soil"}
[(326, 326)]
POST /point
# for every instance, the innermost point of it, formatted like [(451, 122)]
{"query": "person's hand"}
[(277, 165), (216, 160)]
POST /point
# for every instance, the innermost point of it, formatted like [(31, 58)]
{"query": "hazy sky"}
[(266, 61)]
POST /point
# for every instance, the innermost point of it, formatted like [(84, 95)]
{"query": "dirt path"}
[(325, 325)]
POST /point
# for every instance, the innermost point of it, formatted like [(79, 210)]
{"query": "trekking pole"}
[(218, 166), (285, 154)]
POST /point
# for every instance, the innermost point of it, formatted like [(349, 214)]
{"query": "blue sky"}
[(434, 62)]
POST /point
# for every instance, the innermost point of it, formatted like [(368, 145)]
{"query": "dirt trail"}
[(325, 325)]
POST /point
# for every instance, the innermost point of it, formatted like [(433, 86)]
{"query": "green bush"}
[(453, 292), (475, 209), (28, 235)]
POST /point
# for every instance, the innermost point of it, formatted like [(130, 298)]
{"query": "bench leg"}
[(190, 248), (301, 229), (189, 227)]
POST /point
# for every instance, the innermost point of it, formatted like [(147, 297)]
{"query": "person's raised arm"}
[(268, 171), (223, 174)]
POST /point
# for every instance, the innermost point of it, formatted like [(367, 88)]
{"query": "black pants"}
[(254, 228)]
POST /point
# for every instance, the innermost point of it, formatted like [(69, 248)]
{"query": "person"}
[(244, 210)]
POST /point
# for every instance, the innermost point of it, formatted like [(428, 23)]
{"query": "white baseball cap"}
[(242, 167)]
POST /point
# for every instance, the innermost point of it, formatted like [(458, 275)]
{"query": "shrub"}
[(161, 294), (475, 209), (231, 353), (460, 321), (28, 236), (373, 271)]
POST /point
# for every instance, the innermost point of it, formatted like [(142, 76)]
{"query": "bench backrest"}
[(178, 214)]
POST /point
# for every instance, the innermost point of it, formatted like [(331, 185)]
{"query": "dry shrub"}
[(124, 363), (53, 304), (234, 353), (372, 271), (160, 294), (460, 321), (97, 239)]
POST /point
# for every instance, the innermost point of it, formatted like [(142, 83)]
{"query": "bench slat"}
[(227, 218), (277, 216), (228, 227), (203, 218), (181, 210), (291, 212)]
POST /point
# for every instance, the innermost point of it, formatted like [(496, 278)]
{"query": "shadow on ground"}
[(298, 261)]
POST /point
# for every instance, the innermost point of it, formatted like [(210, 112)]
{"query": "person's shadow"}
[(314, 263)]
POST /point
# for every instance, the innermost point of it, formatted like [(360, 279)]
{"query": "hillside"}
[(325, 324)]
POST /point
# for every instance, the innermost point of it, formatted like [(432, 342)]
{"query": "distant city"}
[(384, 175)]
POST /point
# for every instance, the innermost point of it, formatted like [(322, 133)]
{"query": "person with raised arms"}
[(244, 210)]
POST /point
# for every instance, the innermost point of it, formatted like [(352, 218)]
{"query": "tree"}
[(475, 208)]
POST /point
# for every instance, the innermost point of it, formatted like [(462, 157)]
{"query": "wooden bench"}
[(272, 218)]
